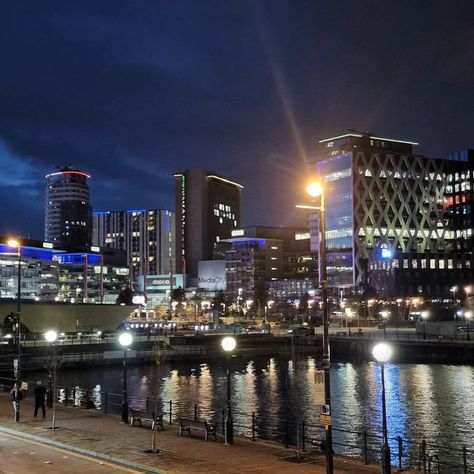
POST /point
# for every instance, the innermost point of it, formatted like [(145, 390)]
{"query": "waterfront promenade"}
[(90, 436)]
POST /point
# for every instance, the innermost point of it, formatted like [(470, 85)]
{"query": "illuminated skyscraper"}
[(68, 221), (147, 235), (207, 210)]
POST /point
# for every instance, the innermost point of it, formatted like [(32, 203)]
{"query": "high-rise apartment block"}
[(389, 210), (207, 210), (147, 236), (67, 210)]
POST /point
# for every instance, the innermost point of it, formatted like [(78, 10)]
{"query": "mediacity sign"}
[(211, 275)]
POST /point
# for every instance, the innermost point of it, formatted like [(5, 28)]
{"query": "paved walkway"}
[(93, 435)]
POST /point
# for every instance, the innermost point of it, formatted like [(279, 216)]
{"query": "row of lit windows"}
[(432, 264)]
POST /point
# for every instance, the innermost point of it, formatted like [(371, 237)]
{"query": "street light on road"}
[(316, 190), (17, 365), (125, 339), (453, 290), (51, 337), (424, 315), (467, 317), (385, 315), (229, 344), (382, 353)]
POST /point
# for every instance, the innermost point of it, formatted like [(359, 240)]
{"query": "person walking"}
[(40, 394), (13, 393)]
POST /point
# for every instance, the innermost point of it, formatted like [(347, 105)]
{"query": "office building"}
[(258, 256), (52, 274), (388, 208), (207, 210), (146, 235), (67, 209)]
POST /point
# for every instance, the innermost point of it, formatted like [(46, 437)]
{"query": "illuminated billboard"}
[(211, 275)]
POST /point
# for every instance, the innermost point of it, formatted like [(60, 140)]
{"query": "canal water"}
[(433, 402)]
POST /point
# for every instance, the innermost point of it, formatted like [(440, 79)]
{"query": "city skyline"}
[(238, 89)]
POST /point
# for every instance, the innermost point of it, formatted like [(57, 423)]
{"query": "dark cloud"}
[(132, 91)]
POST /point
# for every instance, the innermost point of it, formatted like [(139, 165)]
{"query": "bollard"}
[(400, 452), (303, 436), (253, 426), (366, 454), (286, 433), (147, 402), (464, 459), (223, 421), (171, 412), (195, 411), (106, 396), (74, 396), (66, 393)]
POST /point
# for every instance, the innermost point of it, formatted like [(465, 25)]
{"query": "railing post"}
[(106, 396), (66, 393), (171, 412), (147, 403), (74, 396), (464, 459), (195, 411), (303, 436), (366, 454), (253, 426), (286, 433), (423, 455), (223, 421), (400, 452)]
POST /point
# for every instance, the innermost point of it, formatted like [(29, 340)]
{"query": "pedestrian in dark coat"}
[(40, 395)]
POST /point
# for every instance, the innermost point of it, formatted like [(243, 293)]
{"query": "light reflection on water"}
[(423, 401)]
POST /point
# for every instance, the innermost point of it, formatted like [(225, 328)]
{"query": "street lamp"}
[(467, 317), (125, 339), (385, 315), (228, 344), (453, 290), (382, 353), (17, 363), (315, 189), (51, 337), (424, 315)]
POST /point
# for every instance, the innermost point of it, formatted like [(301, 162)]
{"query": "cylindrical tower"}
[(68, 216)]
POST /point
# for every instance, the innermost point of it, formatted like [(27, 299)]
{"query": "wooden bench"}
[(188, 424), (140, 416)]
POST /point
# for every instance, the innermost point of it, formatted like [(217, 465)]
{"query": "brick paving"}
[(96, 434)]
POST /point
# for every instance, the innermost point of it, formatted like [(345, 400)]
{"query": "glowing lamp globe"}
[(314, 189), (125, 339), (228, 344), (51, 336), (382, 352), (13, 243)]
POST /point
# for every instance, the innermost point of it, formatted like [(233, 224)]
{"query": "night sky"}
[(132, 91)]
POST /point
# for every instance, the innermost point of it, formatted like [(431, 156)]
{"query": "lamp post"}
[(228, 344), (17, 364), (382, 353), (51, 337), (125, 339), (453, 290), (385, 315), (424, 315), (316, 190), (467, 317)]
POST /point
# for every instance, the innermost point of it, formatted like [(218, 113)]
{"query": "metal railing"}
[(293, 431)]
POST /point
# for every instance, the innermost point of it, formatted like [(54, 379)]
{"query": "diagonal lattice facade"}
[(380, 198)]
